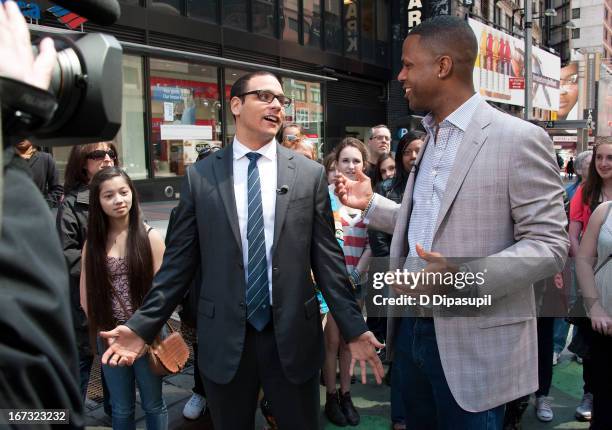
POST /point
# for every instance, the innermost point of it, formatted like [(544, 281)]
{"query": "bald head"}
[(450, 36)]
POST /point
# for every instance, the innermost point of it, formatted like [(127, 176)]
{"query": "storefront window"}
[(130, 140), (202, 9), (290, 21), (351, 28), (306, 109), (312, 23), (368, 14), (333, 26), (264, 17), (185, 112), (382, 31), (174, 7), (235, 13)]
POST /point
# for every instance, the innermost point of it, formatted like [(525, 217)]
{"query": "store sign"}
[(29, 9), (185, 132), (499, 69), (66, 17), (415, 13), (165, 94), (350, 22)]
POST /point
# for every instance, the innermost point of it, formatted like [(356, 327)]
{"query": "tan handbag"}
[(168, 356)]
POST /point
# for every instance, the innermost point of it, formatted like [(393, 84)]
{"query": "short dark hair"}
[(240, 85), (451, 35)]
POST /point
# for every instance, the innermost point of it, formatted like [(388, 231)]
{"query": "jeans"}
[(121, 382), (429, 404), (561, 330), (397, 402)]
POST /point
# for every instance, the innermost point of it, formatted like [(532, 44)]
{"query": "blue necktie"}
[(257, 293)]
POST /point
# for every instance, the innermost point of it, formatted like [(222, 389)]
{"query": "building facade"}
[(182, 56)]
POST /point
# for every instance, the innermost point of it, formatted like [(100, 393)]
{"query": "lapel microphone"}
[(282, 190)]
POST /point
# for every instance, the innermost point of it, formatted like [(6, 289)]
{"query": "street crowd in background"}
[(269, 249)]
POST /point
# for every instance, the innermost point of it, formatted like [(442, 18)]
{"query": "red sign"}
[(517, 83)]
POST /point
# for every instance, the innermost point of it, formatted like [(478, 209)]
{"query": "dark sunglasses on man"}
[(100, 154), (269, 96)]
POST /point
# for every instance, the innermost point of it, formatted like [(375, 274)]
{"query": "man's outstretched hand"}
[(354, 193), (363, 351), (124, 348)]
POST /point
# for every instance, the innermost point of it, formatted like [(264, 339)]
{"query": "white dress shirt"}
[(267, 167)]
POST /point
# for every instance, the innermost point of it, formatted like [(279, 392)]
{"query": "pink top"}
[(579, 211)]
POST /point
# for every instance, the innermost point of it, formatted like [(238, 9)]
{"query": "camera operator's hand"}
[(18, 60)]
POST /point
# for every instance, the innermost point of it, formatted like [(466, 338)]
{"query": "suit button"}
[(241, 265), (242, 304), (275, 269)]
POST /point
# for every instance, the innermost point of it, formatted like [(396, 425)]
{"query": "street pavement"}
[(371, 400)]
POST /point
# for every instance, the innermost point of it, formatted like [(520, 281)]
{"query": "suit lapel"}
[(474, 137), (286, 172), (224, 173)]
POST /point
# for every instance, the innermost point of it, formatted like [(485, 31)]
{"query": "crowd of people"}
[(269, 252)]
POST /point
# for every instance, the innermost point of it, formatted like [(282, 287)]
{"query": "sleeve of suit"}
[(382, 215), (329, 270), (536, 200), (173, 279)]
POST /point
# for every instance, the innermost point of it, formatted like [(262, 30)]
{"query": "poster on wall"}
[(604, 108), (499, 72)]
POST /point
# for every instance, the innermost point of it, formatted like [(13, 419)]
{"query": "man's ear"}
[(236, 105), (445, 66)]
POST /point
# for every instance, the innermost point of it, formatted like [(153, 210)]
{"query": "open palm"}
[(354, 193)]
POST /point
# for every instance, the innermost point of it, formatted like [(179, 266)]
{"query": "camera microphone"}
[(282, 190), (103, 12)]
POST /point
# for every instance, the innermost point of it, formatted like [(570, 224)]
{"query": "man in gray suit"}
[(256, 218), (485, 184)]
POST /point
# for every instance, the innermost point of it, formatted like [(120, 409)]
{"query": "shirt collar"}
[(460, 118), (268, 150)]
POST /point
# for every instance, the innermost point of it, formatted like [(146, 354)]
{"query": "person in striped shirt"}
[(351, 156)]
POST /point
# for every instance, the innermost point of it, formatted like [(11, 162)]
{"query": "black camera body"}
[(86, 86)]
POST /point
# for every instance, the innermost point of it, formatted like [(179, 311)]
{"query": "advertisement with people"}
[(499, 73)]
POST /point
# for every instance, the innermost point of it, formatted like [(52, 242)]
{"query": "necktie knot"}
[(253, 156)]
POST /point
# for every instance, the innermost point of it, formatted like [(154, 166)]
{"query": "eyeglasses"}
[(570, 80), (381, 137), (268, 97), (100, 154)]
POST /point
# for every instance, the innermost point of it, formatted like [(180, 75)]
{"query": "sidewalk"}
[(371, 400)]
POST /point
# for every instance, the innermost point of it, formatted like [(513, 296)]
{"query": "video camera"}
[(83, 104)]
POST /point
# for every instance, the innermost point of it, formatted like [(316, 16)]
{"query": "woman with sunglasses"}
[(84, 162)]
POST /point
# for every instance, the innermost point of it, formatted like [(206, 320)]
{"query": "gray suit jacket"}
[(206, 234), (503, 200)]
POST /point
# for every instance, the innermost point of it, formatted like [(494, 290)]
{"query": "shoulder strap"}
[(603, 263), (149, 229)]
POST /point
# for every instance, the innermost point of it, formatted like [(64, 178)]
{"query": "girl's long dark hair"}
[(401, 175), (592, 188), (377, 174), (139, 257)]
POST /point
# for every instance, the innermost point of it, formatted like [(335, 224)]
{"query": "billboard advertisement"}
[(604, 98), (499, 73)]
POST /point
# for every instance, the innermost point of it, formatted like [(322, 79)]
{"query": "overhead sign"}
[(499, 70)]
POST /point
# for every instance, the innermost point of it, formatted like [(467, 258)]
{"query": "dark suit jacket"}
[(207, 234)]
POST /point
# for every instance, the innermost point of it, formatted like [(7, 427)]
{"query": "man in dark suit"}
[(256, 218)]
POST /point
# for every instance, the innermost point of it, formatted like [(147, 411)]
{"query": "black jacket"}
[(380, 241), (38, 356), (46, 177), (72, 229)]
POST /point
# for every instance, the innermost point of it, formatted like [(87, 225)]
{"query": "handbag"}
[(167, 354)]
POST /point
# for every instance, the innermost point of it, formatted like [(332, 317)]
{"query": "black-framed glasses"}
[(100, 154), (269, 96)]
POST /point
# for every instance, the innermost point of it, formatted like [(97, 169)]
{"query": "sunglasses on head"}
[(100, 154)]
